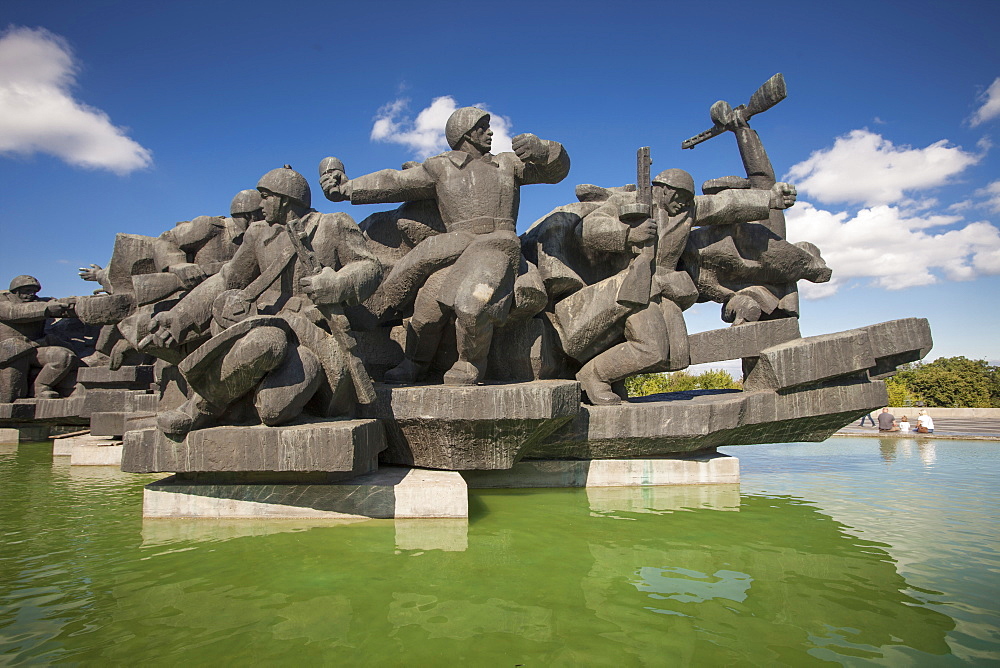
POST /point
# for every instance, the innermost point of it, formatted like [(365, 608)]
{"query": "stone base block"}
[(9, 436), (94, 451), (484, 427), (698, 420), (350, 447), (391, 492), (707, 467), (116, 423), (106, 401), (127, 377), (53, 411), (746, 340), (63, 446), (9, 449), (15, 412)]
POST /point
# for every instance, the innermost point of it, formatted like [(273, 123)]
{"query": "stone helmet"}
[(287, 182), (330, 164), (460, 122), (675, 178), (24, 281), (246, 201)]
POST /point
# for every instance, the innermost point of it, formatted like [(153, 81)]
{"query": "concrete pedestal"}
[(703, 468), (349, 447), (480, 427), (390, 492), (95, 451), (401, 492), (9, 436)]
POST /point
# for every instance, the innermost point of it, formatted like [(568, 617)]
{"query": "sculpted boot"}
[(407, 371), (192, 414), (598, 392), (464, 373)]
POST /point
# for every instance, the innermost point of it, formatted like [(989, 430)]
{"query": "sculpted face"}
[(672, 200), (481, 136), (26, 294), (271, 205)]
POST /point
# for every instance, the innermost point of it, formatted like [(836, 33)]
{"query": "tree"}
[(899, 393), (949, 382), (645, 384)]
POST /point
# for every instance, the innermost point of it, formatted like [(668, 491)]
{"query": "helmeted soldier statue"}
[(26, 347), (469, 271), (614, 315), (171, 264), (279, 336)]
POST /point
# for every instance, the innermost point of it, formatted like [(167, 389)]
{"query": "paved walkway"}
[(964, 428)]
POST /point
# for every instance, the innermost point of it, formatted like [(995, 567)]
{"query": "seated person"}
[(887, 421), (924, 420)]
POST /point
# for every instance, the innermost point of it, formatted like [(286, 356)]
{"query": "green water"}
[(850, 551)]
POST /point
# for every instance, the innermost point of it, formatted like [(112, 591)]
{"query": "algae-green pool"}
[(852, 551)]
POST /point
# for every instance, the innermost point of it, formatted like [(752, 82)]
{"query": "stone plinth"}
[(127, 377), (116, 423), (95, 451), (107, 401), (391, 492), (9, 436), (873, 350), (703, 468), (17, 412), (746, 340), (63, 445), (663, 424), (483, 427), (342, 446)]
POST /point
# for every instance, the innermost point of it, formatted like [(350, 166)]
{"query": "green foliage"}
[(948, 382), (899, 393), (654, 383)]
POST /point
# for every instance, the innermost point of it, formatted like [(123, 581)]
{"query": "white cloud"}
[(992, 194), (894, 248), (39, 114), (864, 168), (424, 135), (990, 108)]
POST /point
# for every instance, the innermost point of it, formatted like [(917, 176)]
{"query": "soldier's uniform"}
[(24, 345)]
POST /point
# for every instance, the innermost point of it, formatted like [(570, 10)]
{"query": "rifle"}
[(335, 320), (638, 283), (769, 94)]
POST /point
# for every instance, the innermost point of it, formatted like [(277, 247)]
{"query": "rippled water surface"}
[(852, 551)]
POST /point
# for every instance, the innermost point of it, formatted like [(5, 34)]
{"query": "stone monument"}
[(311, 366)]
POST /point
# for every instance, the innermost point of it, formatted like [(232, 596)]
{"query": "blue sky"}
[(129, 117)]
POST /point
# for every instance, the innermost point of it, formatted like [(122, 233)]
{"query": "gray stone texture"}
[(105, 401), (477, 427), (817, 358), (663, 424), (739, 341), (344, 446), (132, 377)]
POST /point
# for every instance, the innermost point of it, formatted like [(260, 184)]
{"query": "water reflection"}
[(665, 499), (543, 577), (891, 448)]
